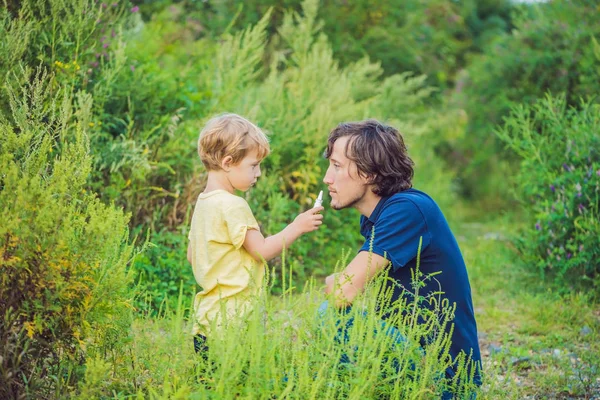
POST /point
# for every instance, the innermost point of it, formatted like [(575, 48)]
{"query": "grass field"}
[(535, 344)]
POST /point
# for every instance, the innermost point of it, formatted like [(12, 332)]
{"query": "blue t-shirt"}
[(400, 221)]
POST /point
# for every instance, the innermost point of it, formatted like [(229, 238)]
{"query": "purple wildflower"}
[(104, 5), (537, 226), (135, 9), (105, 45), (568, 256), (132, 68), (566, 167), (552, 188), (581, 207), (598, 172)]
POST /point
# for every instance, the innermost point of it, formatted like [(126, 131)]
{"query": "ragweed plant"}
[(559, 186), (292, 346), (63, 254)]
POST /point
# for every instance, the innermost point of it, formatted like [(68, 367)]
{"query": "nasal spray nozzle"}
[(319, 200)]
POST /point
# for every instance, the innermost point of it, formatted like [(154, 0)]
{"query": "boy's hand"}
[(309, 220)]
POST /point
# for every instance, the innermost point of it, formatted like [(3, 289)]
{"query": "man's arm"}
[(352, 281)]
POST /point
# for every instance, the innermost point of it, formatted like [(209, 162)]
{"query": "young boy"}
[(226, 249)]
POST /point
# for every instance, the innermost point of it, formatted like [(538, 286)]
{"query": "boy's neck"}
[(218, 181)]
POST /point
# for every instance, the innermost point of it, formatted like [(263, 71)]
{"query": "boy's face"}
[(244, 174), (346, 186)]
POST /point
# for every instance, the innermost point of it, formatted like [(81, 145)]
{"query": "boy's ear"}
[(226, 163)]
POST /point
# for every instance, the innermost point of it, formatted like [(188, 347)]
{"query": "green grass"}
[(534, 343)]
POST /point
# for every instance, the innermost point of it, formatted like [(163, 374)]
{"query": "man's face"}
[(346, 187)]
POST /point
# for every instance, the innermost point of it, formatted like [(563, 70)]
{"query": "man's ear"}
[(366, 179), (226, 163)]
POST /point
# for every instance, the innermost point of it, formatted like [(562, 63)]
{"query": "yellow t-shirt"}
[(227, 273)]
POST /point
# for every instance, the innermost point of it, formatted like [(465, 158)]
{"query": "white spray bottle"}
[(319, 200)]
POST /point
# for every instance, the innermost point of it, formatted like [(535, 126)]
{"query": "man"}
[(370, 170)]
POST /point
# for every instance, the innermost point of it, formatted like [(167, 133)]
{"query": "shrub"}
[(432, 37), (559, 185), (163, 270), (551, 49), (63, 254)]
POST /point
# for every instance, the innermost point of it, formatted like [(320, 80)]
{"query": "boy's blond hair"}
[(230, 135)]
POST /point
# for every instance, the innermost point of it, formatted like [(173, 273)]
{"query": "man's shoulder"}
[(410, 205), (410, 198), (411, 194)]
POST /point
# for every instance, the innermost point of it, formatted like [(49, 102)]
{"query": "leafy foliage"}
[(163, 271), (559, 184), (552, 49), (433, 37), (63, 253)]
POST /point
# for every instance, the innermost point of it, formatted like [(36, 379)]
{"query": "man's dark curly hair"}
[(379, 153)]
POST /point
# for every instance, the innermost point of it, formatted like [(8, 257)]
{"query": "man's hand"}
[(329, 282), (352, 281)]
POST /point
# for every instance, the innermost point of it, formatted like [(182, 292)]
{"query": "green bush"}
[(551, 49), (163, 271), (433, 37), (63, 254), (559, 185)]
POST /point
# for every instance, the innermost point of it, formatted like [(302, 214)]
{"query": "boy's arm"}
[(352, 281), (267, 248)]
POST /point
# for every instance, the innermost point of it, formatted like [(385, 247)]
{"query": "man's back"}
[(400, 223)]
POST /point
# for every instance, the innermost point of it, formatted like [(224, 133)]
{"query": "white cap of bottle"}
[(319, 200)]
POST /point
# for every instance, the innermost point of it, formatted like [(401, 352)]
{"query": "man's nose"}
[(327, 179)]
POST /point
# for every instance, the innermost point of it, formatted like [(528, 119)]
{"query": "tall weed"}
[(63, 253), (559, 185), (293, 347)]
